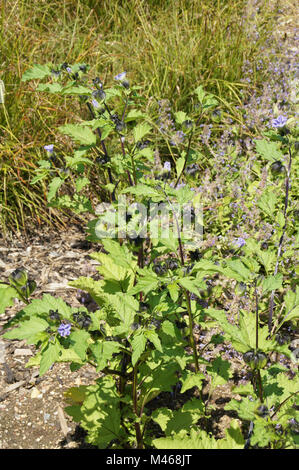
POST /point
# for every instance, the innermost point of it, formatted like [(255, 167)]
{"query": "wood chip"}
[(14, 386), (62, 421)]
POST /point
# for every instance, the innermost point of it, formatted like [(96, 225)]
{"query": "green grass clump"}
[(167, 47)]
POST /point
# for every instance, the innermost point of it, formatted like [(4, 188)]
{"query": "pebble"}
[(36, 393), (2, 352), (23, 352)]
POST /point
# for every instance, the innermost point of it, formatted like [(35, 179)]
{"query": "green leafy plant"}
[(153, 278)]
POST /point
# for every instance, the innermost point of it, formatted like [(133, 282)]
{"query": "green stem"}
[(286, 202), (256, 319), (186, 292), (135, 407), (191, 337), (260, 386)]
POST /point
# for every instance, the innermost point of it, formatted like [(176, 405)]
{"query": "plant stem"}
[(135, 407), (186, 159), (124, 154), (256, 319), (191, 337), (260, 386), (186, 292), (187, 153), (286, 202), (102, 142), (282, 403)]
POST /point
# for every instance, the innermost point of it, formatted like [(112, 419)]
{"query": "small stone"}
[(2, 352), (23, 352), (36, 393)]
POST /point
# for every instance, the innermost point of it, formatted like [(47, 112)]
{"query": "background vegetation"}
[(167, 47)]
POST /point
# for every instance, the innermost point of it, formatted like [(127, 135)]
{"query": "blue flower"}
[(64, 329), (178, 138), (280, 121), (167, 166), (95, 103), (239, 242), (49, 148), (120, 76)]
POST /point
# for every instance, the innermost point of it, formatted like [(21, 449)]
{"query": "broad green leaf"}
[(108, 268), (49, 87), (138, 345), (154, 338), (146, 284), (174, 290), (120, 254), (36, 72), (235, 269), (268, 150), (160, 376), (267, 258), (79, 340), (7, 296), (200, 93), (47, 303), (49, 355), (162, 416), (178, 420), (291, 306), (103, 352), (180, 117), (39, 177), (134, 114), (55, 184), (69, 355), (245, 408), (232, 332), (208, 267), (81, 183), (75, 395), (81, 134), (78, 204), (100, 413), (143, 190), (27, 329), (125, 307), (179, 165), (199, 439), (262, 434), (220, 372), (140, 131), (77, 159), (267, 202), (75, 90), (190, 284), (190, 380), (272, 283)]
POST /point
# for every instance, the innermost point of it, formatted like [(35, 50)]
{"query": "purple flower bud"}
[(64, 329)]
